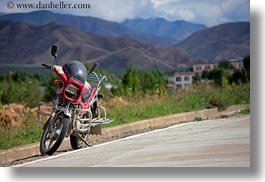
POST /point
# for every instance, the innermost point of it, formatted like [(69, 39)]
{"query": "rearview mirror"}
[(54, 51)]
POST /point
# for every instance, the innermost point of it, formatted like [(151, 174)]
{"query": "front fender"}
[(61, 110), (65, 111), (46, 124)]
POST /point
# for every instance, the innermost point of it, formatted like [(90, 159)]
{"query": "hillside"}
[(178, 30), (88, 24), (30, 44), (225, 41)]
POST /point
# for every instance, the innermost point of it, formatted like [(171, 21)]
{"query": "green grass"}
[(245, 111), (183, 101), (142, 107), (12, 137)]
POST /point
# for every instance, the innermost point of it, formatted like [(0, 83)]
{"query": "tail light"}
[(72, 91)]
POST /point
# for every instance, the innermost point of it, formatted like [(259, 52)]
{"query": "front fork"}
[(56, 110)]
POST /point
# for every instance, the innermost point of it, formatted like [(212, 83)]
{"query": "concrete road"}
[(210, 143)]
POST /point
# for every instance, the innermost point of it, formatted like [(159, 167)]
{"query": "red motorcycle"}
[(76, 111)]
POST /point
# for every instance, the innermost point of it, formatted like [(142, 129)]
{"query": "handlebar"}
[(94, 67), (45, 66)]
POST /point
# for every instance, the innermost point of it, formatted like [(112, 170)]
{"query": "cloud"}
[(119, 10), (209, 12)]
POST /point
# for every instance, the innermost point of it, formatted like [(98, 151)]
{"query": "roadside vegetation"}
[(133, 96), (199, 97)]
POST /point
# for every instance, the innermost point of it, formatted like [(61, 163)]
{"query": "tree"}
[(205, 74), (50, 90), (26, 92), (148, 81), (131, 81), (196, 78), (238, 77), (1, 92), (217, 75), (246, 62), (225, 65), (20, 87)]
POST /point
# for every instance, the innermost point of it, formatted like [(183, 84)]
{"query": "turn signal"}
[(58, 83)]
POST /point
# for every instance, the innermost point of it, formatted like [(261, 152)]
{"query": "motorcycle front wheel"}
[(54, 134)]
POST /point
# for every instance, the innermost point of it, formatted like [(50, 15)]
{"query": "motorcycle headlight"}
[(71, 91)]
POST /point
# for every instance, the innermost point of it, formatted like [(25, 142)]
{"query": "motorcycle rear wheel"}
[(54, 134), (77, 143)]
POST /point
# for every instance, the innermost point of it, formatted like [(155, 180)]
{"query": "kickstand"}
[(89, 145)]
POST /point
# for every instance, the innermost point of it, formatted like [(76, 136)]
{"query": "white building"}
[(182, 80), (237, 63), (199, 68)]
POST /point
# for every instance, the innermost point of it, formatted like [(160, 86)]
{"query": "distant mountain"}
[(88, 24), (30, 44), (178, 30), (225, 41)]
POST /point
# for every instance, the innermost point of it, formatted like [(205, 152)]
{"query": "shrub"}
[(20, 88), (218, 102), (1, 92)]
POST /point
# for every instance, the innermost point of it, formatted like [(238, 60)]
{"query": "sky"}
[(208, 12)]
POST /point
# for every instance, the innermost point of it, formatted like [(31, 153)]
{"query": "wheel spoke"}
[(50, 143), (54, 135)]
